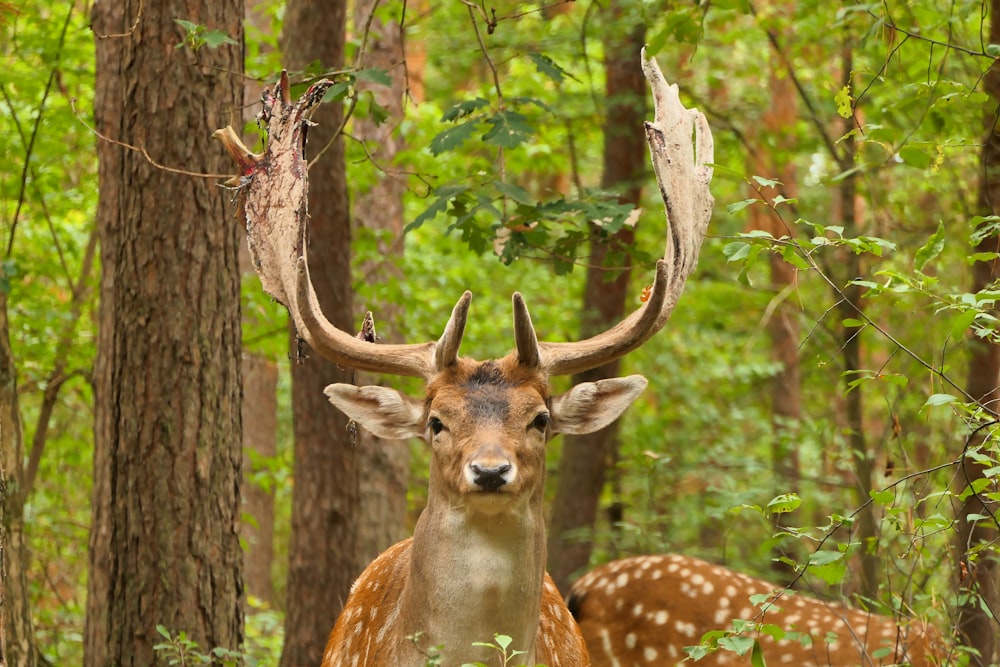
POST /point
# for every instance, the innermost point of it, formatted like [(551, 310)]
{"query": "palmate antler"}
[(274, 188)]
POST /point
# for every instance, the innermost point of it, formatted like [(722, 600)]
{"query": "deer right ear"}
[(590, 406), (384, 412)]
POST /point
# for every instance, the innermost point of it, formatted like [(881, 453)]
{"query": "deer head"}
[(475, 565)]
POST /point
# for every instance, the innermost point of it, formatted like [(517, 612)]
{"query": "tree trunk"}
[(978, 571), (108, 121), (850, 307), (585, 458), (17, 640), (783, 325), (325, 500), (169, 382), (260, 435), (385, 463)]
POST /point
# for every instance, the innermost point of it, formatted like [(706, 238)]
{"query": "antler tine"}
[(524, 334), (446, 350), (682, 151), (274, 196)]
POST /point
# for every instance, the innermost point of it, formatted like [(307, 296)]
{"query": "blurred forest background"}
[(823, 400)]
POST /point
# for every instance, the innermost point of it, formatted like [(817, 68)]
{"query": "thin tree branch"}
[(58, 376), (30, 146)]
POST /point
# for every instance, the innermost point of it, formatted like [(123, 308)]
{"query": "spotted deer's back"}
[(559, 643), (645, 610), (371, 614)]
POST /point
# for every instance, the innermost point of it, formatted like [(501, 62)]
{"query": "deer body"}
[(476, 563), (645, 610)]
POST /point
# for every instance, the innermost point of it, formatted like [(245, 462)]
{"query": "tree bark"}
[(260, 435), (325, 500), (385, 463), (978, 572), (17, 639), (585, 458), (169, 374), (108, 121)]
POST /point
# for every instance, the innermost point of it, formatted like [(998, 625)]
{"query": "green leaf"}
[(993, 50), (464, 108), (767, 182), (216, 38), (512, 191), (452, 138), (375, 75), (931, 249), (757, 655), (850, 322), (740, 205), (508, 129), (549, 68), (337, 91), (960, 324), (784, 503), (884, 497), (738, 644), (844, 102), (503, 641), (940, 399), (916, 156)]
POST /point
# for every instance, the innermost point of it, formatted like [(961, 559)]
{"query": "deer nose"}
[(489, 478)]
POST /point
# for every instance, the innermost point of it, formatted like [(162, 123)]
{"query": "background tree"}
[(586, 459), (322, 560), (978, 566), (172, 293)]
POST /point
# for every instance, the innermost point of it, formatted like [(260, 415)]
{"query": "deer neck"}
[(473, 576)]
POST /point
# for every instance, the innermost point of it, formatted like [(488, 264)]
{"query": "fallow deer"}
[(645, 610), (475, 565)]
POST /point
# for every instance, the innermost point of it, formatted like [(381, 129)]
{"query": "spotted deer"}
[(475, 566), (645, 610)]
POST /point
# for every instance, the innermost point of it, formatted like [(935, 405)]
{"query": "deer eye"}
[(435, 425), (541, 422)]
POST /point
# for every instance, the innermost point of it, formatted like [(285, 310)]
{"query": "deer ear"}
[(590, 406), (384, 412)]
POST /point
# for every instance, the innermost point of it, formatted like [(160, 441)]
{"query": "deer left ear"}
[(384, 412), (590, 406)]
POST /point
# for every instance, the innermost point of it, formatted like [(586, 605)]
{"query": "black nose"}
[(490, 479)]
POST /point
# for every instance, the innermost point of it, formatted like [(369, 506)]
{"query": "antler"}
[(684, 173), (274, 188)]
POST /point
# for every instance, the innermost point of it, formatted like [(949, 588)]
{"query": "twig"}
[(140, 149), (135, 26)]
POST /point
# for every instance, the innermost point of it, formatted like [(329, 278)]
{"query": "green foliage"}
[(197, 36), (502, 161), (183, 651)]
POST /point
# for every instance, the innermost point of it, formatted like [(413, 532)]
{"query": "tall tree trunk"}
[(17, 639), (979, 571), (385, 463), (783, 325), (849, 307), (106, 20), (260, 401), (325, 500), (585, 458), (260, 435), (170, 419)]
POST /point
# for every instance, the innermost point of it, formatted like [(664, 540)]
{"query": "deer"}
[(645, 610), (475, 565)]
